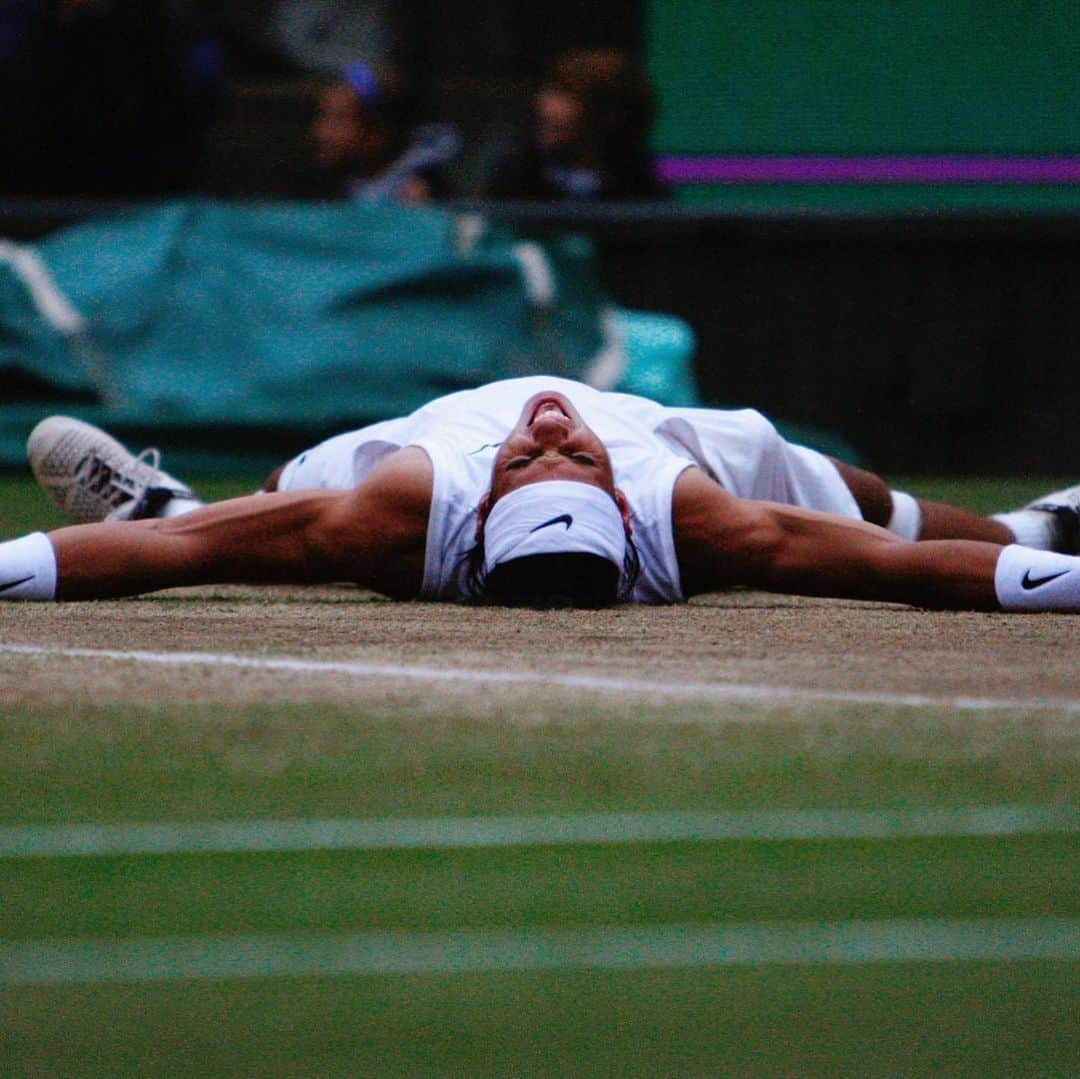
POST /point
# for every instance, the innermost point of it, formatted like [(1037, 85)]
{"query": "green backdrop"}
[(843, 77), (891, 77)]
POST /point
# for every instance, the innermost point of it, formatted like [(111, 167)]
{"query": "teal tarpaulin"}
[(231, 323), (202, 314)]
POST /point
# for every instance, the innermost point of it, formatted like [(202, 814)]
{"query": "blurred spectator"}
[(366, 149), (107, 97), (589, 138)]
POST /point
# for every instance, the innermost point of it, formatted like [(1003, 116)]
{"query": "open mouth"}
[(548, 404)]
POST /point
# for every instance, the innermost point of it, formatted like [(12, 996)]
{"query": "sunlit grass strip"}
[(146, 959), (714, 691), (238, 836)]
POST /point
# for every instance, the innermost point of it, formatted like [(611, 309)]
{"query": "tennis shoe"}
[(1065, 506), (92, 477)]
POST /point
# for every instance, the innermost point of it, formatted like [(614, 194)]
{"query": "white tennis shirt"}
[(650, 445)]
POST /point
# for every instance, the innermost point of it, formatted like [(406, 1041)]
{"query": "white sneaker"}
[(92, 477), (1065, 506)]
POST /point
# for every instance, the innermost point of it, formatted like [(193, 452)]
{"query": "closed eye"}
[(525, 460)]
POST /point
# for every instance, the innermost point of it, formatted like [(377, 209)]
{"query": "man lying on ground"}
[(540, 491)]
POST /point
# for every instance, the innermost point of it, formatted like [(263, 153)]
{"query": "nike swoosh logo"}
[(562, 519), (15, 584), (1028, 582)]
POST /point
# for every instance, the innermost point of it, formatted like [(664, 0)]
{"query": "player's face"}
[(550, 441)]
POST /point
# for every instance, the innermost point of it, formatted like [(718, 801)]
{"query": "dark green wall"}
[(940, 345), (866, 76)]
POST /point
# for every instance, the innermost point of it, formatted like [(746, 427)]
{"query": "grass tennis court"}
[(338, 836)]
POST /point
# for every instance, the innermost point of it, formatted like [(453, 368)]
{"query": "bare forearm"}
[(260, 539), (785, 549), (951, 574)]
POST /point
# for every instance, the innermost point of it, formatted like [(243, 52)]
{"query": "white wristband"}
[(28, 568), (1029, 580), (906, 518)]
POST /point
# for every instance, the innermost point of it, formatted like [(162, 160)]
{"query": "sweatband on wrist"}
[(28, 568), (906, 519), (1030, 528), (1029, 580)]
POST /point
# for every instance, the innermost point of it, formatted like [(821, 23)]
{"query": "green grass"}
[(274, 761), (405, 759), (530, 887), (982, 494), (412, 755), (988, 1019)]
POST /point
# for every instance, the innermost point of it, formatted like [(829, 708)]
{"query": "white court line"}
[(162, 959), (725, 691), (277, 836)]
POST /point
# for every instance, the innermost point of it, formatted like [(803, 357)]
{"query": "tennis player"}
[(540, 491)]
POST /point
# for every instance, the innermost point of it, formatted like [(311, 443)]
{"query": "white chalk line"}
[(718, 691), (473, 833), (264, 955)]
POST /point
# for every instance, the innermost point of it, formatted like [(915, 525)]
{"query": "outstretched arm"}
[(373, 535), (723, 541)]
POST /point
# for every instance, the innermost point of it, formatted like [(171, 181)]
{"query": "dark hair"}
[(570, 579)]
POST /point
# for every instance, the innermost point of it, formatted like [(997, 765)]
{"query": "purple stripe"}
[(810, 169)]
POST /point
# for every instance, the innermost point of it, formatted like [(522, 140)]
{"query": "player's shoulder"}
[(698, 505), (701, 508), (401, 481), (695, 490), (375, 534)]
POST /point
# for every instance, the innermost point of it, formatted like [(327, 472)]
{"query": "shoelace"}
[(137, 482)]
